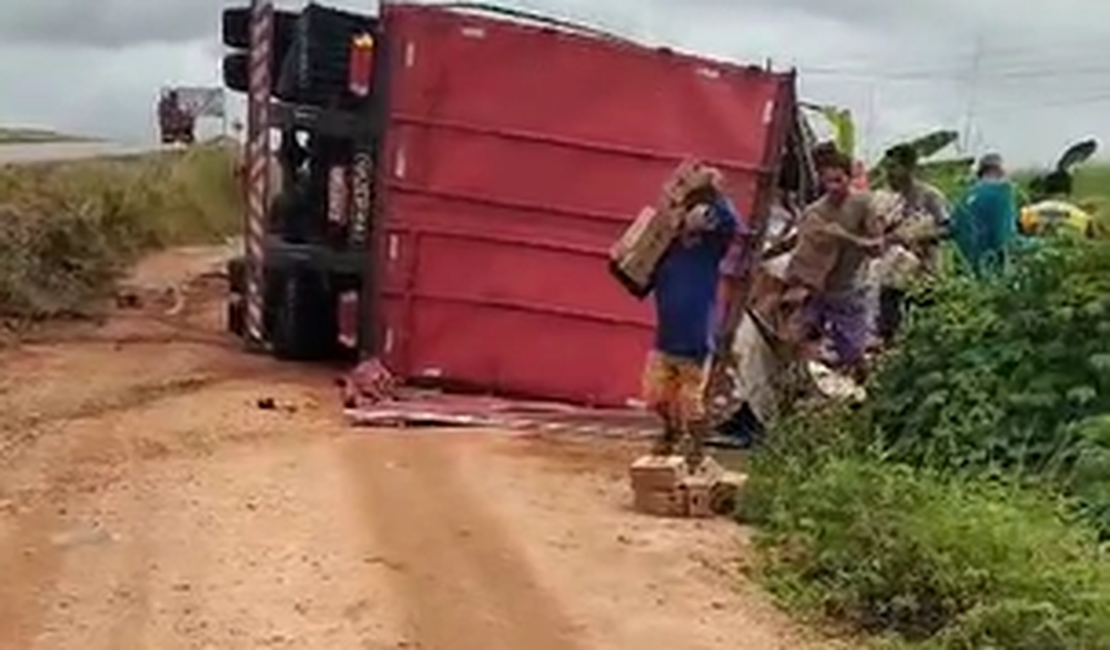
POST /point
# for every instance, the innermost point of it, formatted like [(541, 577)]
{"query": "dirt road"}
[(147, 502), (24, 153)]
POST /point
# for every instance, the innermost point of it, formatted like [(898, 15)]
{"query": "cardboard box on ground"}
[(665, 486), (633, 258)]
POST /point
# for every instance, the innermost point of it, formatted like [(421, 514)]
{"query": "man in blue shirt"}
[(686, 290)]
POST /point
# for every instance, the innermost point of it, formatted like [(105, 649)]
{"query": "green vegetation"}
[(965, 504), (1092, 192), (926, 560), (68, 229), (1010, 377), (28, 136)]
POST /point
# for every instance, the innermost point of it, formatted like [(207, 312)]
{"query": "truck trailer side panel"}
[(515, 155)]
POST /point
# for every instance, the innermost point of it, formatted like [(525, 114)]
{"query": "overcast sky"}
[(1031, 78)]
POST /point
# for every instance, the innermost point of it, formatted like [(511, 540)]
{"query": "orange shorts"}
[(674, 387)]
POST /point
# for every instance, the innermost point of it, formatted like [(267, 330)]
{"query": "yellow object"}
[(1046, 216)]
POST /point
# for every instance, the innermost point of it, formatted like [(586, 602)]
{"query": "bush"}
[(67, 230), (940, 562), (942, 511), (1002, 377)]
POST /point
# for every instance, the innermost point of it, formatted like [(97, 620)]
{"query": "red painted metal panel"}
[(515, 156)]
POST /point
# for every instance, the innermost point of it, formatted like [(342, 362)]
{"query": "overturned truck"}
[(453, 178)]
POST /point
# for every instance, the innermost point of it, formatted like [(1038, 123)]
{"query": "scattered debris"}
[(372, 397), (423, 408), (176, 297), (133, 297), (834, 385), (369, 383), (271, 404), (402, 414), (128, 299)]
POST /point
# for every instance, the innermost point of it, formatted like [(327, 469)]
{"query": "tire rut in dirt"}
[(463, 582)]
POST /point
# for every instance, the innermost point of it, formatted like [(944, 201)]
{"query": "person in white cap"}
[(986, 220)]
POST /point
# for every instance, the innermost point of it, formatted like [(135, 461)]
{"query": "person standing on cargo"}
[(685, 287), (837, 235)]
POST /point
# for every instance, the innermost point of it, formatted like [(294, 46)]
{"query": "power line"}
[(1091, 99), (1065, 52), (871, 118), (948, 74), (1084, 68), (1041, 62)]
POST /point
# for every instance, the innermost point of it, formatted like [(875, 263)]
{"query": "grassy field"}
[(27, 135), (1092, 188), (67, 230)]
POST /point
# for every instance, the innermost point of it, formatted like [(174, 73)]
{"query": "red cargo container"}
[(515, 155)]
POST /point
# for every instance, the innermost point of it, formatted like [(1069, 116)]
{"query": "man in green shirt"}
[(986, 219)]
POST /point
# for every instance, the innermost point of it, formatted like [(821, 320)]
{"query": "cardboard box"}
[(651, 473), (815, 255), (689, 178), (660, 503), (696, 496), (633, 258), (664, 486), (656, 485), (725, 494)]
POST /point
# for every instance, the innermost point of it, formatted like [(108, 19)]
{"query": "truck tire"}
[(236, 310), (305, 323), (236, 317), (237, 275)]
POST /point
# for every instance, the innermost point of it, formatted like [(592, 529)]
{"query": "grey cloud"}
[(116, 24), (1042, 78), (110, 24)]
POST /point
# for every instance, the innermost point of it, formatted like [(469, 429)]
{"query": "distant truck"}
[(175, 122), (448, 206)]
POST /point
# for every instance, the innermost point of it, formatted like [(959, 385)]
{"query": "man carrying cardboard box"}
[(685, 288), (837, 235)]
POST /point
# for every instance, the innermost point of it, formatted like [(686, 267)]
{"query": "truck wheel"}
[(236, 317), (305, 322), (237, 275)]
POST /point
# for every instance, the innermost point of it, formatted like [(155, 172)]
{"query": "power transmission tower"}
[(870, 123), (972, 93)]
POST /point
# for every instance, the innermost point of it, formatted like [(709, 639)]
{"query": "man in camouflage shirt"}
[(915, 226)]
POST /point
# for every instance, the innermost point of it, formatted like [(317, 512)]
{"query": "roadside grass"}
[(966, 505), (68, 230), (917, 558), (1093, 180), (1092, 191)]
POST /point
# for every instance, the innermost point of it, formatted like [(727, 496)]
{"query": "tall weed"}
[(67, 230), (1010, 377), (924, 559)]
